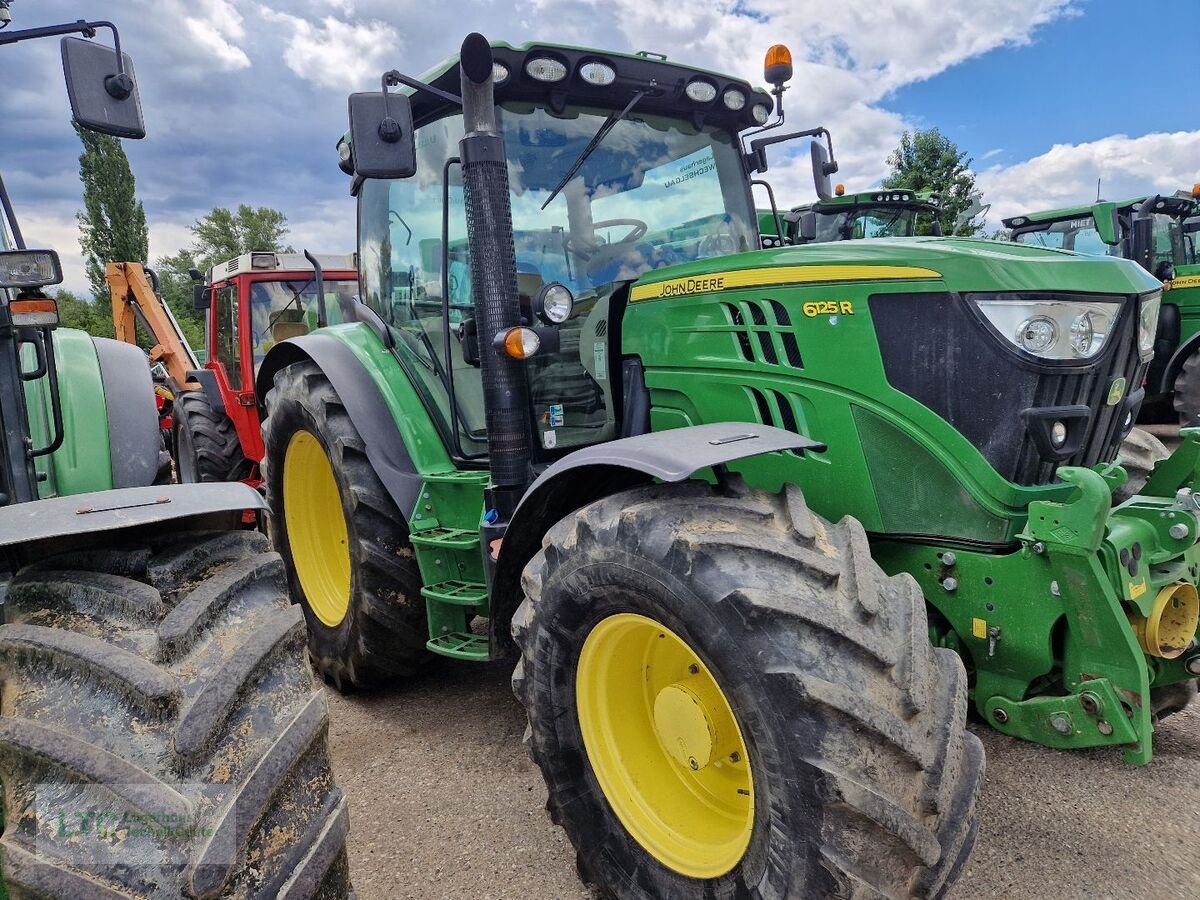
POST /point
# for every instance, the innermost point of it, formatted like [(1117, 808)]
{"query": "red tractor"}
[(251, 303)]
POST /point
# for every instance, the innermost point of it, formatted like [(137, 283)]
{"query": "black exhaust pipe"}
[(493, 276)]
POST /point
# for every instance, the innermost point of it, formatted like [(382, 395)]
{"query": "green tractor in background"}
[(760, 522), (885, 212), (160, 727), (1161, 234)]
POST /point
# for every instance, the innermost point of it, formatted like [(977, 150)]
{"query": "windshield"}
[(655, 192), (1078, 234), (284, 309), (869, 222)]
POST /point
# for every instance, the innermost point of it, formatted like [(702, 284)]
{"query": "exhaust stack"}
[(493, 275)]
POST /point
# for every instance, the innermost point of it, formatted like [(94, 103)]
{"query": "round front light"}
[(700, 91), (1037, 335), (544, 68), (554, 303), (499, 73), (760, 113), (597, 73), (734, 99), (1083, 334), (1058, 434)]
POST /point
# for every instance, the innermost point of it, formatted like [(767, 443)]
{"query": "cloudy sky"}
[(244, 100)]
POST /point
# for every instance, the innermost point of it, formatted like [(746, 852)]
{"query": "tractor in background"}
[(251, 302), (1155, 232), (890, 212), (160, 726)]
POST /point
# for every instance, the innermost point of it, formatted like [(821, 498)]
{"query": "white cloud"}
[(216, 28), (1066, 174), (336, 54)]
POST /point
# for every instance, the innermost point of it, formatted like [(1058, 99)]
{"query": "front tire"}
[(1186, 394), (1140, 452), (345, 544), (828, 756), (161, 731)]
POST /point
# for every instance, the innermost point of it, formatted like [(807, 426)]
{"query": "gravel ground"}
[(445, 804)]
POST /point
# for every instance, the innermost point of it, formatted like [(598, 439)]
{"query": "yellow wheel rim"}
[(316, 528), (664, 744)]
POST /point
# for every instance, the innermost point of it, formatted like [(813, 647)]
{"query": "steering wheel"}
[(638, 230), (723, 243)]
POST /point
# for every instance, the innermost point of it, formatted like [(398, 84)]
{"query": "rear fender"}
[(605, 469)]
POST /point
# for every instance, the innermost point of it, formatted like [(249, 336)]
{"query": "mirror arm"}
[(393, 78), (756, 159), (87, 29), (319, 277), (11, 215)]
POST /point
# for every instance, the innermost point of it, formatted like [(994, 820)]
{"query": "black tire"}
[(206, 442), (165, 678), (855, 724), (1139, 453), (1166, 701), (384, 631), (1186, 393)]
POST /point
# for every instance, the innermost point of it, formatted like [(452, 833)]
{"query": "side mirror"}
[(821, 170), (1141, 251), (382, 144), (936, 227), (104, 96), (201, 296), (806, 228)]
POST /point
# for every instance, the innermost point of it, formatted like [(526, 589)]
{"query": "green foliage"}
[(222, 234), (112, 226), (94, 317), (929, 161)]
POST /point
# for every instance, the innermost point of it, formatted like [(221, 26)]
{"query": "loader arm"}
[(134, 299)]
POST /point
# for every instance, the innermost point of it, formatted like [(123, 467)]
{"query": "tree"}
[(223, 234), (75, 312), (927, 160), (113, 223)]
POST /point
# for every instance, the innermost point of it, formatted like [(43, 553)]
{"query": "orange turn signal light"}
[(37, 311), (518, 343)]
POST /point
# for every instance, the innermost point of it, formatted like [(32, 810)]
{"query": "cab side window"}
[(226, 343)]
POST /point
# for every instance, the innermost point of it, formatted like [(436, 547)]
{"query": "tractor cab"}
[(895, 212), (619, 165)]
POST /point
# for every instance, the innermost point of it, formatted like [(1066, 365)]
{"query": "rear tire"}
[(1139, 453), (161, 684), (1186, 394), (864, 777), (206, 443), (379, 630)]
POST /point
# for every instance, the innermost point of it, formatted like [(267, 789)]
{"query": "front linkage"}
[(1085, 635)]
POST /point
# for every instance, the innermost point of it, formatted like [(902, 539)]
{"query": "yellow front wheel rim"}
[(665, 746), (316, 528)]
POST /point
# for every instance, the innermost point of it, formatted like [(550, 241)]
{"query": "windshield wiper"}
[(600, 135)]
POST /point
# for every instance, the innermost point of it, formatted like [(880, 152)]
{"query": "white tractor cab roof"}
[(264, 262)]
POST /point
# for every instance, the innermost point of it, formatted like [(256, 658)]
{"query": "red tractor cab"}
[(251, 303)]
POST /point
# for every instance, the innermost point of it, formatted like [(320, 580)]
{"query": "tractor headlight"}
[(1063, 329), (554, 303), (1148, 322)]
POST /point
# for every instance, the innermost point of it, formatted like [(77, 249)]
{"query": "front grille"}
[(936, 351)]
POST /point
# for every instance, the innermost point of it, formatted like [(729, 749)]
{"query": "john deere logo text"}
[(692, 286), (1116, 392)]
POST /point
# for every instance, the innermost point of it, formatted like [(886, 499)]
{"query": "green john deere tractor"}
[(160, 734), (761, 523), (886, 212), (1161, 233)]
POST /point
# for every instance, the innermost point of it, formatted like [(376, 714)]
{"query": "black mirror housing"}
[(102, 99), (382, 144), (806, 228), (201, 296), (821, 170)]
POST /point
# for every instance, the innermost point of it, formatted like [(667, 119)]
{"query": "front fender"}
[(588, 475), (401, 440)]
